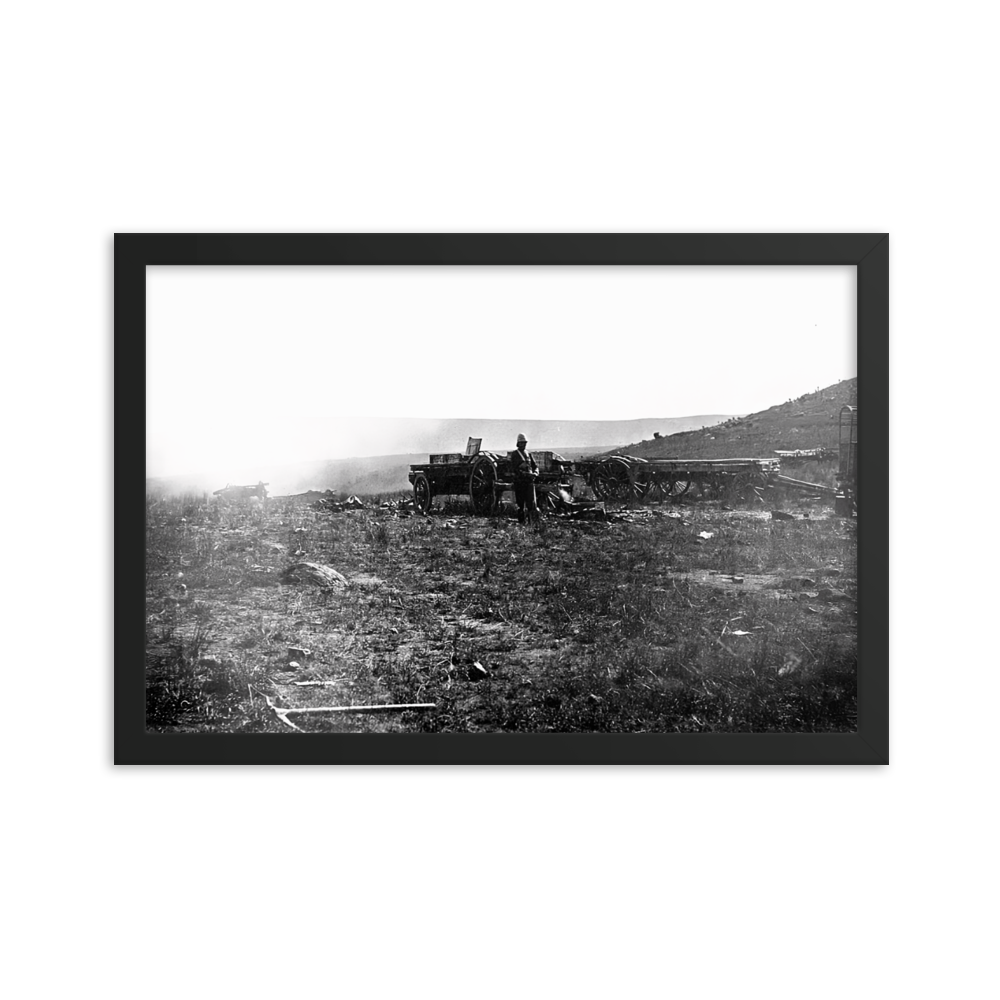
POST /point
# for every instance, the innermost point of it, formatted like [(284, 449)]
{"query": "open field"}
[(636, 624)]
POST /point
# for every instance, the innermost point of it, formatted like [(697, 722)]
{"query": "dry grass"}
[(625, 626)]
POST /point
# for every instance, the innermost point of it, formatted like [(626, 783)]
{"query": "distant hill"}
[(416, 439), (810, 421)]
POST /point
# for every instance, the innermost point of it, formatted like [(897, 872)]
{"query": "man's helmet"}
[(521, 439)]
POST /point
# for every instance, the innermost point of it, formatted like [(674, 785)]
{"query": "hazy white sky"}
[(250, 365)]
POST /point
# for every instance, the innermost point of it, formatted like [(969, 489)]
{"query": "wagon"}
[(242, 492), (845, 494), (626, 478), (846, 501), (483, 476)]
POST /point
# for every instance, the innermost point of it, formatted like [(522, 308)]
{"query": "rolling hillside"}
[(810, 421)]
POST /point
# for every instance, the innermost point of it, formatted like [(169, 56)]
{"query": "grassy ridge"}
[(810, 421)]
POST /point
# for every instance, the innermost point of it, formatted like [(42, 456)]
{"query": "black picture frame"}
[(869, 252)]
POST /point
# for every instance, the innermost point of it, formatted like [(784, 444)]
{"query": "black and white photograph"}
[(501, 499)]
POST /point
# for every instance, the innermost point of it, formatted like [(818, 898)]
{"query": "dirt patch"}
[(756, 582)]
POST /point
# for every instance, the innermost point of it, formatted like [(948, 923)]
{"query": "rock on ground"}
[(314, 574)]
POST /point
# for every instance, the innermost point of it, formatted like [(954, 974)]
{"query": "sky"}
[(248, 366)]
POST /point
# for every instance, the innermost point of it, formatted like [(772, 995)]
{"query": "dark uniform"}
[(525, 470)]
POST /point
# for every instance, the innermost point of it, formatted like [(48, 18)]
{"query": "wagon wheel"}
[(422, 494), (743, 487), (676, 488), (611, 480), (643, 483), (482, 485), (658, 489)]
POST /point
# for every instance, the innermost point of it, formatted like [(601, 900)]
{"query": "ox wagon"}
[(242, 492), (483, 476), (624, 478)]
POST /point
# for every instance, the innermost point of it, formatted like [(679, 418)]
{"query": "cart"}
[(483, 476), (846, 500), (845, 493), (628, 478)]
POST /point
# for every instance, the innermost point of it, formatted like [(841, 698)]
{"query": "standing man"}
[(525, 474)]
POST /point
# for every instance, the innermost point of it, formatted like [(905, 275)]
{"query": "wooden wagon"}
[(483, 476), (846, 501), (845, 494), (242, 492), (624, 478)]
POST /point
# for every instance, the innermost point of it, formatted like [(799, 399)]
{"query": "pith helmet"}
[(521, 439)]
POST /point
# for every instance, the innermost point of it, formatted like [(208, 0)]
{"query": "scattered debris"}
[(817, 453), (293, 665), (309, 496), (780, 515), (477, 671), (736, 579), (791, 664), (331, 505), (706, 534), (595, 513), (299, 653)]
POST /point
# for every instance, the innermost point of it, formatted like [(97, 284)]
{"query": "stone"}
[(315, 574)]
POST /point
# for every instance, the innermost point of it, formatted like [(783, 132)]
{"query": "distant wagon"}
[(242, 492), (483, 476)]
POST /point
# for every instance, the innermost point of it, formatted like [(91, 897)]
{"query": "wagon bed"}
[(483, 476), (628, 477)]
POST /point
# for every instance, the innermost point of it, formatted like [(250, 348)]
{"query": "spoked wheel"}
[(482, 485), (422, 494), (658, 489), (744, 488), (612, 481), (676, 488), (643, 484)]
